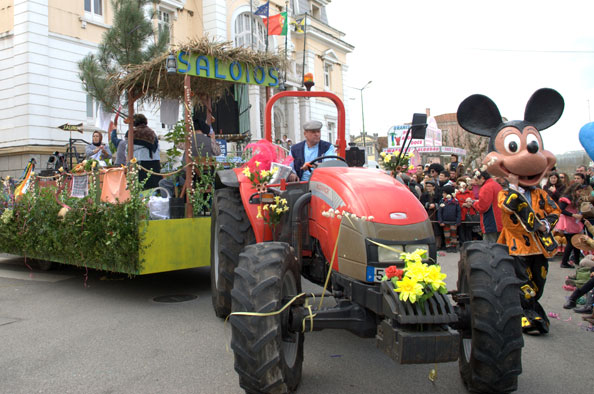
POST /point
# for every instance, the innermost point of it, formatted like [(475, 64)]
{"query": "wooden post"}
[(130, 126), (188, 156)]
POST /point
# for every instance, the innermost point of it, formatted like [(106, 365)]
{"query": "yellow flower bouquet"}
[(390, 162), (418, 281), (258, 177), (272, 213)]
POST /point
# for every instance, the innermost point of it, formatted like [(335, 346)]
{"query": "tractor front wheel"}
[(491, 332), (231, 231), (268, 354)]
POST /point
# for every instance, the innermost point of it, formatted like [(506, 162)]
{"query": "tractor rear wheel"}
[(491, 331), (268, 355), (231, 231)]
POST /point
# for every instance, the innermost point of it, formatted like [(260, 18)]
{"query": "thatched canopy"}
[(150, 81)]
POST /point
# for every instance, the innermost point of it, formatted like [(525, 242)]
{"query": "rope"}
[(163, 174)]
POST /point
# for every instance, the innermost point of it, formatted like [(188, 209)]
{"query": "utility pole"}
[(363, 120)]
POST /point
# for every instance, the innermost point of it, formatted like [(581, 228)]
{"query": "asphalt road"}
[(62, 334)]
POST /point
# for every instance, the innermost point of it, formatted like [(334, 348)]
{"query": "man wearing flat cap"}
[(308, 149)]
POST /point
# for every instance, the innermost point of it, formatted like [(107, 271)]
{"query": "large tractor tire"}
[(268, 355), (491, 331), (231, 231)]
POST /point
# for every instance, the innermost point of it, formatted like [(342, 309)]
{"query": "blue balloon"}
[(587, 138)]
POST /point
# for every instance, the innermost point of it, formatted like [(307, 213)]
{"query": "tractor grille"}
[(437, 309)]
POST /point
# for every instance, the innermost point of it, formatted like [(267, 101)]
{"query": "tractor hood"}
[(366, 192)]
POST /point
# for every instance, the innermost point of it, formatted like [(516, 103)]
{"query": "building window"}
[(316, 12), (92, 107), (295, 7), (331, 127), (164, 20), (94, 9), (327, 75), (243, 29)]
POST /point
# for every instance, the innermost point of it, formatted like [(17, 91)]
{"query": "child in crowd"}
[(463, 195), (570, 223), (449, 217), (430, 201)]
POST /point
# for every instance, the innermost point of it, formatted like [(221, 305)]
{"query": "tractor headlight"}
[(411, 248), (391, 255)]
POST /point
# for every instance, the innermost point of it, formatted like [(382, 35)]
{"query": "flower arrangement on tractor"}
[(259, 178), (396, 162), (418, 281)]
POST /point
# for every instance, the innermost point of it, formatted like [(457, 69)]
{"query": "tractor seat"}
[(332, 163)]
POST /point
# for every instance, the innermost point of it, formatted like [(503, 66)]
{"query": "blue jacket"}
[(450, 213), (298, 153)]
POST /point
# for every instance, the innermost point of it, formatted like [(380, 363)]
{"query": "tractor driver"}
[(308, 149)]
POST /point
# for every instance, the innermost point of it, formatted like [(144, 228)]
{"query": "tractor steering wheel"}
[(320, 158)]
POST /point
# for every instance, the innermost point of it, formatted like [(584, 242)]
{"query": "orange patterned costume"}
[(520, 241)]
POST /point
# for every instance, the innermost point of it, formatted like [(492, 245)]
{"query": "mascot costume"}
[(528, 214)]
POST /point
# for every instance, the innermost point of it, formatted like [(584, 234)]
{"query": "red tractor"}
[(253, 277)]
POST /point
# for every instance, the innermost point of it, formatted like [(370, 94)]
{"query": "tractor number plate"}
[(375, 274)]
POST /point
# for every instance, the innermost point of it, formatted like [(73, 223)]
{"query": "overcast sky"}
[(434, 54)]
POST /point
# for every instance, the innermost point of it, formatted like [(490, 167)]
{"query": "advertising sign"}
[(396, 135)]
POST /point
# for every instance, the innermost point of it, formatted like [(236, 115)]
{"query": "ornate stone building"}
[(41, 42)]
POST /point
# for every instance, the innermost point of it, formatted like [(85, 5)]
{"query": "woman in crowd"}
[(97, 150), (564, 179), (146, 151), (570, 224), (554, 187)]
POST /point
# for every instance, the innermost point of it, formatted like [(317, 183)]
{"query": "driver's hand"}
[(293, 178), (307, 166)]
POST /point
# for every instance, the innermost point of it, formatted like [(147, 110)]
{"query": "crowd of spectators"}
[(463, 206), (461, 203)]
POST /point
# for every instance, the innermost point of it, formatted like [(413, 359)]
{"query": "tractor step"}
[(439, 345)]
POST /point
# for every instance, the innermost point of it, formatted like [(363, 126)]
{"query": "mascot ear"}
[(479, 115), (544, 108)]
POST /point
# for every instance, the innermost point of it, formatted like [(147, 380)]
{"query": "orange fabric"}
[(114, 186), (515, 236)]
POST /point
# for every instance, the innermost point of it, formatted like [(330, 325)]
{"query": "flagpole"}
[(252, 24), (304, 42), (286, 43), (267, 24)]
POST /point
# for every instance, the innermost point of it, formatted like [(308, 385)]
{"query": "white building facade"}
[(42, 41)]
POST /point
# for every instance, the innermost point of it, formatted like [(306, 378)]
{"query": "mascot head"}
[(515, 147)]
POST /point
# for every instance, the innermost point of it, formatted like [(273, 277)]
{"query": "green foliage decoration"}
[(176, 137), (92, 234), (203, 186)]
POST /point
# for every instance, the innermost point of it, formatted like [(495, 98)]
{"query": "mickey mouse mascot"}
[(528, 214)]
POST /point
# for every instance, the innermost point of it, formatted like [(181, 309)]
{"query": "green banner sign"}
[(210, 67)]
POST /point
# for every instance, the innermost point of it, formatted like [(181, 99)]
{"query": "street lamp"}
[(363, 119)]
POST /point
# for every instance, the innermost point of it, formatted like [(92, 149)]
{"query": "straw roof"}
[(152, 82)]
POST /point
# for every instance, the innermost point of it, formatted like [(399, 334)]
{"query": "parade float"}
[(100, 217)]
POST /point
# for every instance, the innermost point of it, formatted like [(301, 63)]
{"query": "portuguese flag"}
[(278, 24)]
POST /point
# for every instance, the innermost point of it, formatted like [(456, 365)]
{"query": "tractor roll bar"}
[(340, 142)]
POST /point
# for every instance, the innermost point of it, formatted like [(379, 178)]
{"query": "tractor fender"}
[(226, 178)]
